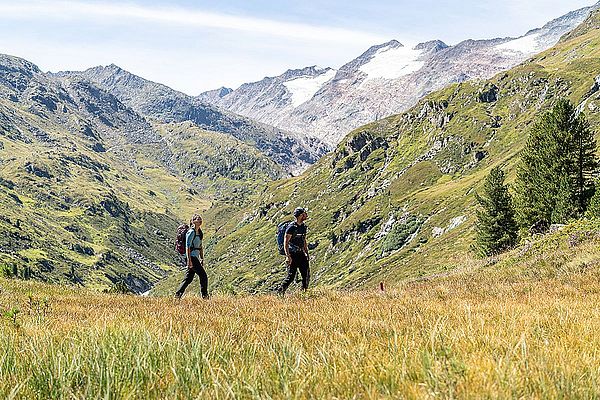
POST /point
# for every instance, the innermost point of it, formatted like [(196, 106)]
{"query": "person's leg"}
[(304, 270), (202, 275), (188, 278), (291, 275)]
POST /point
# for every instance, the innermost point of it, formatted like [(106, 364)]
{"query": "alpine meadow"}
[(451, 247)]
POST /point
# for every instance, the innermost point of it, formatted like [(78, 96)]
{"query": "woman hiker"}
[(195, 258)]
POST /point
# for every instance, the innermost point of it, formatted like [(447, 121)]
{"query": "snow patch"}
[(303, 89), (386, 227), (454, 223), (437, 231), (390, 63), (526, 45)]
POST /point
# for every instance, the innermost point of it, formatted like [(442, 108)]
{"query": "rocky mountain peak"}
[(392, 44), (213, 96), (592, 22), (571, 18), (107, 70), (113, 68), (349, 69), (548, 35), (16, 64), (18, 76), (111, 74), (431, 46), (223, 91), (288, 75), (303, 72)]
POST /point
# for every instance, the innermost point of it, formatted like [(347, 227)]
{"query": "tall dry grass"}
[(525, 327)]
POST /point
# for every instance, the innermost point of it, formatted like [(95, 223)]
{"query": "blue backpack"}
[(281, 228)]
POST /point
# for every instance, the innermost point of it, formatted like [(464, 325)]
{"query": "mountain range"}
[(384, 80), (98, 167), (91, 189), (153, 100)]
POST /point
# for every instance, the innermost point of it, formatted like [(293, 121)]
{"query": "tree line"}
[(554, 183)]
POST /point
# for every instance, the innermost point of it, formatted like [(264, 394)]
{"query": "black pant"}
[(299, 262), (197, 268)]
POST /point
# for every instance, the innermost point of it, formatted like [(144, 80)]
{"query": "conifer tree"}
[(593, 210), (496, 227), (554, 178), (565, 206)]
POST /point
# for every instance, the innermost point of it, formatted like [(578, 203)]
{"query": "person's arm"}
[(188, 252), (286, 247), (188, 249), (201, 250), (305, 247)]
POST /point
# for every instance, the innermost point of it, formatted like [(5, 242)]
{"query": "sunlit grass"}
[(524, 326)]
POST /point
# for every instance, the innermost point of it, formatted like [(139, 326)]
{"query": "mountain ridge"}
[(352, 98), (167, 105)]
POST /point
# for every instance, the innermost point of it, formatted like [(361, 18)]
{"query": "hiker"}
[(195, 258), (296, 251)]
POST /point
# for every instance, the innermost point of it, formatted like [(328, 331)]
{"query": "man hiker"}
[(296, 251), (195, 258)]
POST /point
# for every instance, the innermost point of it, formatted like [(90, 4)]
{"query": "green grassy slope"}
[(396, 198), (91, 193)]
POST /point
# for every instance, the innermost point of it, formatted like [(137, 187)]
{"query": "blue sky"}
[(194, 46)]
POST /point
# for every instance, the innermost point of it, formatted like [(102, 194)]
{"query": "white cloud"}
[(187, 49), (115, 13)]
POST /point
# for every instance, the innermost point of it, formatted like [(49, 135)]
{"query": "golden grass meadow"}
[(523, 326)]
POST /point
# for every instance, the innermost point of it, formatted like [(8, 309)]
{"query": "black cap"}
[(298, 211)]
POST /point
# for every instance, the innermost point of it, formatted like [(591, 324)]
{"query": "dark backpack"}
[(180, 241), (281, 228)]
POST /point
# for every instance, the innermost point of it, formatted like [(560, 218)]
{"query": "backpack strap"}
[(293, 247), (195, 248)]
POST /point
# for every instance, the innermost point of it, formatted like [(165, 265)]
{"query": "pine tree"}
[(586, 161), (593, 210), (554, 178), (566, 204), (496, 227)]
